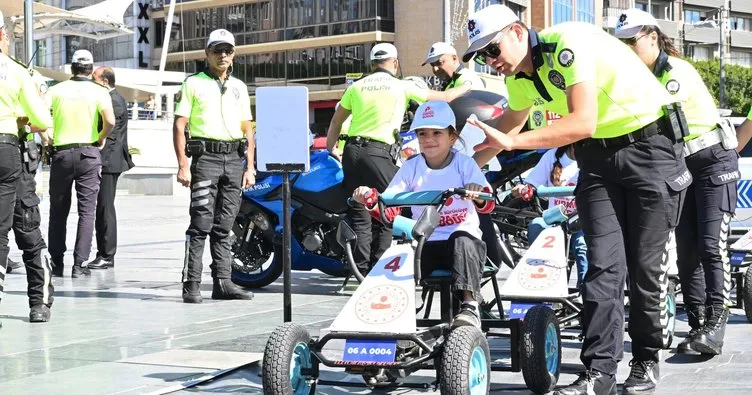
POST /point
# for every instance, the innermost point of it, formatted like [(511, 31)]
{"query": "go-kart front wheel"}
[(746, 291), (287, 361), (465, 363), (540, 350)]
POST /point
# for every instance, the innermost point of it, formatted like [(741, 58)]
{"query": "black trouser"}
[(702, 235), (629, 200), (106, 222), (215, 200), (367, 165), (463, 255), (82, 165), (26, 221), (493, 246), (10, 170)]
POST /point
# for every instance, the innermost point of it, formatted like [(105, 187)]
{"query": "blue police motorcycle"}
[(319, 203)]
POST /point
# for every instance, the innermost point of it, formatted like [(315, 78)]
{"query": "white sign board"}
[(385, 300), (282, 136)]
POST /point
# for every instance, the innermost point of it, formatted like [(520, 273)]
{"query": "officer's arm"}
[(579, 124), (33, 105), (447, 95), (247, 127), (510, 122), (178, 139), (336, 126), (744, 133)]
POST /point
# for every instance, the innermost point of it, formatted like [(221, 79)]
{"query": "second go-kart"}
[(377, 335), (740, 273)]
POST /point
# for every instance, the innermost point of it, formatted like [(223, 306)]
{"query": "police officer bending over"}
[(702, 234), (632, 174), (377, 104), (446, 66), (77, 105), (217, 108), (18, 93)]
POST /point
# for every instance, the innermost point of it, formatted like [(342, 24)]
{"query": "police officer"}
[(377, 104), (217, 108), (632, 174), (446, 66), (702, 234), (18, 93), (77, 105), (115, 160)]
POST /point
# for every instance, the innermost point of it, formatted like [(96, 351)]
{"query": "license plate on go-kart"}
[(519, 309), (370, 350), (737, 258)]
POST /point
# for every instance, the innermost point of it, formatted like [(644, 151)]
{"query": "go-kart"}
[(377, 334), (740, 273)]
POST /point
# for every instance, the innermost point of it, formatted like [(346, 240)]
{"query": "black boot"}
[(710, 338), (13, 265), (643, 377), (192, 292), (590, 382), (39, 313), (696, 320), (225, 289), (80, 271), (101, 263)]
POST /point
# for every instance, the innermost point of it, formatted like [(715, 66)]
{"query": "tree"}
[(738, 84)]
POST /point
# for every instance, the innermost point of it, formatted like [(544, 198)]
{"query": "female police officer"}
[(632, 173), (702, 234)]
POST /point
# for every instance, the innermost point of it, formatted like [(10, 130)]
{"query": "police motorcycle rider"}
[(377, 104), (703, 230)]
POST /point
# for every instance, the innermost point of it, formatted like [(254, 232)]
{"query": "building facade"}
[(695, 25)]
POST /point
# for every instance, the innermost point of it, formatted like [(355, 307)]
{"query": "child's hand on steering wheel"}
[(470, 188), (524, 191)]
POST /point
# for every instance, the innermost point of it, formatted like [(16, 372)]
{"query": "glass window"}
[(691, 16), (562, 11), (586, 11), (741, 58)]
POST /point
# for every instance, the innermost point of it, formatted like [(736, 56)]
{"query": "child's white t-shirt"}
[(541, 176), (457, 214)]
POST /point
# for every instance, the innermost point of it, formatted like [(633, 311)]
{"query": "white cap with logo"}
[(83, 57), (632, 21), (433, 115), (438, 50), (484, 25), (383, 51), (220, 36)]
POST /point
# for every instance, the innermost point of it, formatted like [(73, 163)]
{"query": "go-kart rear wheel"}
[(747, 293), (670, 319), (286, 361), (540, 351), (465, 363)]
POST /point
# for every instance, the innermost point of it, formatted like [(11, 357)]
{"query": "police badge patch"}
[(538, 118), (673, 86), (557, 79), (566, 57)]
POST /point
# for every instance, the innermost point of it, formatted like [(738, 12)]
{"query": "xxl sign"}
[(142, 45)]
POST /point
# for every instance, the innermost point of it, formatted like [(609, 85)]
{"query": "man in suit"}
[(115, 160)]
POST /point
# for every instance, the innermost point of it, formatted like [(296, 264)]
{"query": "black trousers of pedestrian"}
[(463, 255), (215, 200), (26, 221), (82, 166), (106, 221), (629, 200), (10, 170), (367, 165), (702, 235)]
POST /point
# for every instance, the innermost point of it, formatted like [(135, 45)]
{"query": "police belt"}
[(220, 146), (8, 139), (705, 140), (63, 147), (644, 132), (366, 142)]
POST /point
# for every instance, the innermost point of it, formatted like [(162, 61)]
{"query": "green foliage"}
[(738, 84)]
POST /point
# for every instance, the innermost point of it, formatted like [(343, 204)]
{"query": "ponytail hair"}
[(558, 168), (665, 43)]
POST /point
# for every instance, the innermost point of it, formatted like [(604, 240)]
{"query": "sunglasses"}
[(223, 49), (491, 50), (632, 41)]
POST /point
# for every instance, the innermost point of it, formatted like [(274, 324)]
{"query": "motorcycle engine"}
[(320, 239)]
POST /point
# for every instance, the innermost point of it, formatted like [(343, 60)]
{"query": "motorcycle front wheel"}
[(256, 261)]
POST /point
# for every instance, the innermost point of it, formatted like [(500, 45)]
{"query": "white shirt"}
[(457, 214), (541, 176)]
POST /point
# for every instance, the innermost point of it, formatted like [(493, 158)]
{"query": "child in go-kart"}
[(456, 243), (557, 167)]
